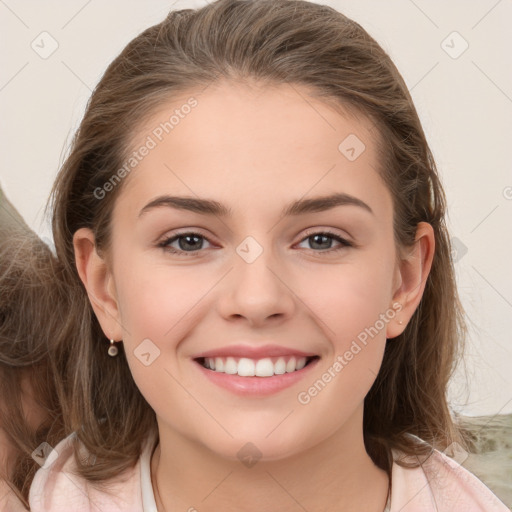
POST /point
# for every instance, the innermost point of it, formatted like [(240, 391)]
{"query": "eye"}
[(323, 240), (188, 242)]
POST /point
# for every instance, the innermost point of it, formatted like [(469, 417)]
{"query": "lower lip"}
[(256, 386)]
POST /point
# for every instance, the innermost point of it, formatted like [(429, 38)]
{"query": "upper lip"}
[(253, 352)]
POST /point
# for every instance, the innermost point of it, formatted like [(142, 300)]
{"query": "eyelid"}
[(308, 232), (327, 231), (181, 232), (164, 243)]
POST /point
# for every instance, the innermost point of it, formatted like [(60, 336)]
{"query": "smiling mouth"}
[(246, 367)]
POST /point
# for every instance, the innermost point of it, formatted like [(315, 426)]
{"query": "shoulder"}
[(57, 487), (440, 484)]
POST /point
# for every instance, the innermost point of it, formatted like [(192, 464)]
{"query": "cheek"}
[(153, 304), (347, 298), (351, 303), (153, 298)]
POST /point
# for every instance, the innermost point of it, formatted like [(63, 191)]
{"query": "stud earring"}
[(399, 321), (112, 349)]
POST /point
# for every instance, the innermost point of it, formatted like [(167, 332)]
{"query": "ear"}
[(99, 283), (412, 273)]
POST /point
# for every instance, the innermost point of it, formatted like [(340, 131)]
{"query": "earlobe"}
[(413, 273), (98, 281)]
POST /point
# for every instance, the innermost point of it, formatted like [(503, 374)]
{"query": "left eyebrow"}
[(299, 207), (323, 203)]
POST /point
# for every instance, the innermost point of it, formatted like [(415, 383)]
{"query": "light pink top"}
[(439, 485)]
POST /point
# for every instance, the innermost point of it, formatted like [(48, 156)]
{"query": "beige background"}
[(465, 104)]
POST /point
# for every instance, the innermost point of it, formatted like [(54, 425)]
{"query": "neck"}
[(335, 475)]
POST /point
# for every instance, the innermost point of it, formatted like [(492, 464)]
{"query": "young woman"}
[(252, 231)]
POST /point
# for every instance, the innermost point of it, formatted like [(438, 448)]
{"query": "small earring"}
[(112, 350), (400, 322)]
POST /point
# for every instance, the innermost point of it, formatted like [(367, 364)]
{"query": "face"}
[(253, 282)]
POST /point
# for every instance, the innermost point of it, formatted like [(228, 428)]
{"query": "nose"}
[(259, 292)]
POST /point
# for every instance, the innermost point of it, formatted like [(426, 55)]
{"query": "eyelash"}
[(166, 247)]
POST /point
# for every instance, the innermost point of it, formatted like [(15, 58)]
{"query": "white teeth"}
[(300, 363), (264, 368), (219, 364), (246, 367), (290, 365), (230, 367), (280, 366)]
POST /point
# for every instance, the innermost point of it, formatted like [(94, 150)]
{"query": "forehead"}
[(239, 142)]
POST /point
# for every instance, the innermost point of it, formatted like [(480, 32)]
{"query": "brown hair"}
[(270, 42), (33, 311)]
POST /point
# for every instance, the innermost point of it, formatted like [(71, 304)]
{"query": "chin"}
[(256, 447)]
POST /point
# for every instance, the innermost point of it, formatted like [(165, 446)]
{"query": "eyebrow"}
[(299, 207)]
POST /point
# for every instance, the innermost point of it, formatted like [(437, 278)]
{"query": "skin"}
[(256, 150), (9, 502)]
